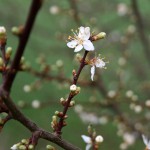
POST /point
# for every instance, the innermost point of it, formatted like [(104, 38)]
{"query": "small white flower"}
[(96, 62), (81, 40), (146, 141), (73, 88), (99, 139), (88, 141), (2, 30)]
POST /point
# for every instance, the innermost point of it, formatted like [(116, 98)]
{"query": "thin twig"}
[(140, 27), (66, 107)]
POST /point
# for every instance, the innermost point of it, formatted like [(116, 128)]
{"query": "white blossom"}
[(146, 141), (96, 62), (81, 40), (88, 141)]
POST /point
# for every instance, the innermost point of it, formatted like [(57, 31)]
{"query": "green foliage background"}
[(44, 40)]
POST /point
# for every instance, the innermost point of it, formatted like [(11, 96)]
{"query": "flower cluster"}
[(83, 39), (92, 140)]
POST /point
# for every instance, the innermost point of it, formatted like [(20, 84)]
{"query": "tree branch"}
[(11, 74), (140, 26)]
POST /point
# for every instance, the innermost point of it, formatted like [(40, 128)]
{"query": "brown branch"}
[(17, 115), (11, 74), (66, 107), (140, 26)]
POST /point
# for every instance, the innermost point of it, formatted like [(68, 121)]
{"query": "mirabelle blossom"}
[(81, 40), (96, 62), (88, 140), (146, 141)]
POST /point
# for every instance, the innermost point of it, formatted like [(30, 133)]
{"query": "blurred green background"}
[(48, 39)]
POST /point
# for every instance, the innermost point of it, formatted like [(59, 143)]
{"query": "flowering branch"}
[(70, 97)]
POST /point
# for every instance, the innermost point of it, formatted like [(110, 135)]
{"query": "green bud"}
[(31, 147), (1, 62), (24, 141), (72, 103), (9, 50), (22, 147), (15, 30)]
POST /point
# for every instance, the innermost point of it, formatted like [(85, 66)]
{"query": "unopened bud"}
[(24, 141), (73, 88), (2, 35), (62, 99), (22, 147), (78, 89), (72, 103), (31, 147), (99, 139), (9, 51), (1, 62), (2, 30), (99, 36), (54, 119), (89, 129), (17, 30), (56, 112)]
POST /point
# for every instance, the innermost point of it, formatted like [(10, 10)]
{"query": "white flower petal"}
[(78, 48), (88, 45), (92, 72), (88, 146), (86, 139), (87, 33), (100, 63), (81, 30), (72, 44), (145, 139)]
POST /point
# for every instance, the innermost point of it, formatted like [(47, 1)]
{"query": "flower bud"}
[(99, 139), (73, 88), (24, 141), (9, 51), (22, 147), (2, 30), (31, 147), (1, 62), (2, 35), (99, 36), (72, 103), (54, 119)]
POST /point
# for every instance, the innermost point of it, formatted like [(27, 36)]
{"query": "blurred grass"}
[(43, 41)]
